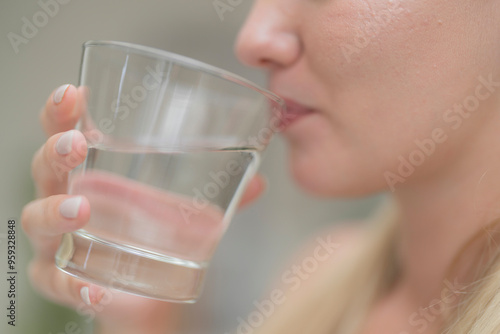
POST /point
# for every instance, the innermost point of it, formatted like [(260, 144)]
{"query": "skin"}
[(370, 106), (375, 103)]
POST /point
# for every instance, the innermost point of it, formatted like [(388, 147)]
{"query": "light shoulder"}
[(321, 254)]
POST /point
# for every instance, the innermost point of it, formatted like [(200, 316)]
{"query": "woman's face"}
[(376, 82)]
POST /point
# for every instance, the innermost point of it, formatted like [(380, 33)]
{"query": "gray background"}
[(260, 239)]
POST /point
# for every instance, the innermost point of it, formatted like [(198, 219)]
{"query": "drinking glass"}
[(172, 143)]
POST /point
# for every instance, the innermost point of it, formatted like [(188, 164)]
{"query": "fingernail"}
[(84, 293), (92, 294), (65, 143), (59, 94), (70, 207), (96, 294)]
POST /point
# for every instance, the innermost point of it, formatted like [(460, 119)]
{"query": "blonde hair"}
[(341, 298), (479, 310)]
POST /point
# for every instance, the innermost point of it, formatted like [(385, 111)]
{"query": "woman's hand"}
[(54, 212)]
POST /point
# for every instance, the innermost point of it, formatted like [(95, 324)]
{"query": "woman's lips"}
[(293, 112)]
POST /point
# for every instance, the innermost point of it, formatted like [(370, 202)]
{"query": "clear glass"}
[(172, 142)]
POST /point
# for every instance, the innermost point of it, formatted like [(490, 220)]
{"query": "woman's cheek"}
[(348, 33)]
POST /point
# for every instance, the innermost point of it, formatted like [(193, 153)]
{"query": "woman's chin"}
[(322, 180)]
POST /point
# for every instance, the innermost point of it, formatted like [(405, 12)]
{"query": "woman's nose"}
[(269, 38)]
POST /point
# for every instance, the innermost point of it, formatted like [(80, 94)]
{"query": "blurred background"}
[(261, 238)]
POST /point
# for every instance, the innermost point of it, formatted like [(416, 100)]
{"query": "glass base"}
[(130, 269)]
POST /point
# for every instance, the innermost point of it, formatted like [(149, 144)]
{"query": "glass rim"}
[(188, 63)]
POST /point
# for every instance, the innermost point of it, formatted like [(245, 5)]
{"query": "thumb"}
[(255, 188)]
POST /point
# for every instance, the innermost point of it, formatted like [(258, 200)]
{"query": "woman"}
[(389, 95)]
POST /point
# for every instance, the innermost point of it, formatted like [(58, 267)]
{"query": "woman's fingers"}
[(52, 162), (115, 306), (254, 189), (62, 109), (61, 287), (45, 220)]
